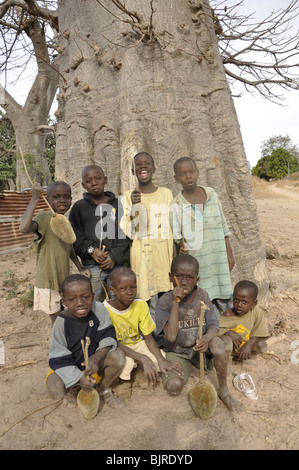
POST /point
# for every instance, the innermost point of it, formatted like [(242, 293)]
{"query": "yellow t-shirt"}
[(132, 322), (251, 324), (151, 249)]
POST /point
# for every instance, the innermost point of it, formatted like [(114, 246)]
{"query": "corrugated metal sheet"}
[(12, 207)]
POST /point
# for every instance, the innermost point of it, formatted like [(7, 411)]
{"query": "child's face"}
[(243, 300), (186, 274), (144, 168), (60, 198), (78, 298), (186, 175), (124, 290), (94, 181)]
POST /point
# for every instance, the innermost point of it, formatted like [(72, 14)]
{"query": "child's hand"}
[(135, 196), (166, 365), (245, 351), (36, 191), (150, 371), (201, 344), (178, 292), (184, 248), (99, 255), (107, 263), (87, 382), (236, 338), (86, 272)]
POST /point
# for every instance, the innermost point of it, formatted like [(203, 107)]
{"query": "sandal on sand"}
[(112, 400), (244, 384)]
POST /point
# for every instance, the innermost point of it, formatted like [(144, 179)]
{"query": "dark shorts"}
[(186, 361)]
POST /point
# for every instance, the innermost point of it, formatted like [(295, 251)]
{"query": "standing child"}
[(243, 328), (53, 254), (178, 314), (147, 224), (83, 318), (134, 327), (200, 229), (100, 243)]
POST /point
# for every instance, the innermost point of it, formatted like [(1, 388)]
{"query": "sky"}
[(259, 119)]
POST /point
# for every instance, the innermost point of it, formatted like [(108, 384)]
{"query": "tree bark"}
[(154, 82), (35, 112)]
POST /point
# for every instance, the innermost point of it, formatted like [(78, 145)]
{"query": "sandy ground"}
[(152, 420)]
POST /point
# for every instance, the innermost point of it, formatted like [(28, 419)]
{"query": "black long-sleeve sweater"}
[(98, 225)]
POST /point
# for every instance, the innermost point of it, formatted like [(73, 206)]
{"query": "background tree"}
[(7, 155), (23, 34), (152, 76), (280, 158), (279, 141)]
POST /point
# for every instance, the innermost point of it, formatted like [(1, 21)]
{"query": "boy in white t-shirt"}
[(131, 319)]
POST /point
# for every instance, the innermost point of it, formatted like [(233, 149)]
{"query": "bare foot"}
[(70, 400), (229, 401), (112, 400)]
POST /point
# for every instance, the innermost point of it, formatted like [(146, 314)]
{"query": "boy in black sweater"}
[(100, 243)]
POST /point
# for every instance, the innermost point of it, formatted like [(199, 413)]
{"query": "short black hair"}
[(248, 285), (74, 278), (91, 167), (182, 160), (53, 185), (184, 258), (118, 272), (144, 153)]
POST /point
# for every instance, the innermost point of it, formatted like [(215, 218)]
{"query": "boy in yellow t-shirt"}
[(131, 319), (243, 328)]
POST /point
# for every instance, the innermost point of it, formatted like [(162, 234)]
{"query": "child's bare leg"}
[(259, 346), (57, 390), (217, 348), (112, 366), (228, 344)]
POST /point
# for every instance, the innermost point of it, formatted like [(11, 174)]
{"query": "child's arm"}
[(28, 225), (79, 266), (230, 255), (164, 364), (171, 328), (150, 371), (203, 343)]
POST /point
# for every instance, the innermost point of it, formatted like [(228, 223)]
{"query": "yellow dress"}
[(151, 252)]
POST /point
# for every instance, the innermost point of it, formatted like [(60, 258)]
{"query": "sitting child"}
[(177, 315), (83, 318), (243, 328), (131, 319)]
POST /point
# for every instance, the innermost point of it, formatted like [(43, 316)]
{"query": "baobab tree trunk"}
[(27, 120), (154, 81)]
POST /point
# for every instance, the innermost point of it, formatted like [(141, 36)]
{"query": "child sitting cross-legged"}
[(243, 328), (131, 319)]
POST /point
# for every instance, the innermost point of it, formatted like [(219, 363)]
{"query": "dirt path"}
[(152, 420)]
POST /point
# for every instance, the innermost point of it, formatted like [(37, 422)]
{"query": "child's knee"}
[(228, 343), (260, 346), (55, 387), (174, 385), (217, 347), (117, 358)]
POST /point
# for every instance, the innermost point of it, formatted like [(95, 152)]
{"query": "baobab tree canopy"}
[(149, 77)]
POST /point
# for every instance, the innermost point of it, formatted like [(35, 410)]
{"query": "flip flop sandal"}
[(244, 384), (112, 400)]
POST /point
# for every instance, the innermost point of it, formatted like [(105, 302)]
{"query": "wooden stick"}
[(106, 293), (30, 180), (177, 285)]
